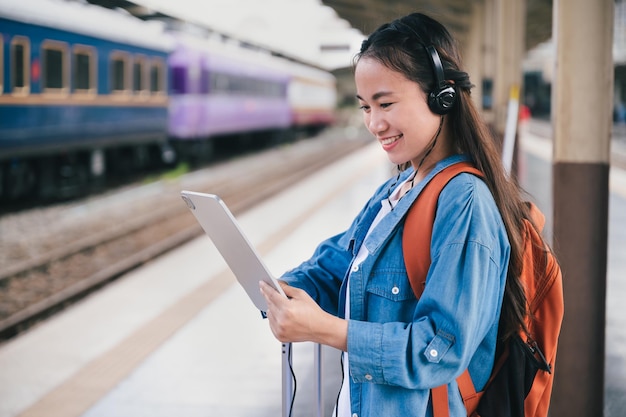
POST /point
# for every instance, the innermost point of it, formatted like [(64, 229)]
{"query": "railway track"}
[(93, 253)]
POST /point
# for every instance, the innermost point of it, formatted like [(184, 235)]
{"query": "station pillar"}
[(473, 47), (488, 62), (582, 121)]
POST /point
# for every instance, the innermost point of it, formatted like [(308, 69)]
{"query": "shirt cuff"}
[(365, 358)]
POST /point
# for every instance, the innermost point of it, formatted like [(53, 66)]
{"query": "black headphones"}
[(442, 98)]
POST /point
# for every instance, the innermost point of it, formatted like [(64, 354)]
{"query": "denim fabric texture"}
[(400, 347)]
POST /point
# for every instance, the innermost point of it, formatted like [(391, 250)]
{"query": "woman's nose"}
[(376, 123)]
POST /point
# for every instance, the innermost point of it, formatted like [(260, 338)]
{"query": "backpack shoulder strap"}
[(418, 225), (418, 230)]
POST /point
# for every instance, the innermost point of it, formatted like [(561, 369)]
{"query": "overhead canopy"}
[(367, 15)]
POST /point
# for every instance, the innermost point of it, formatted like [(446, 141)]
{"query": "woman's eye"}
[(385, 105), (364, 107)]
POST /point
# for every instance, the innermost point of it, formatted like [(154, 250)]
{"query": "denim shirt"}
[(400, 347)]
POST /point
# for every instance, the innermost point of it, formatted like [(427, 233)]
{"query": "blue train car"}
[(83, 93)]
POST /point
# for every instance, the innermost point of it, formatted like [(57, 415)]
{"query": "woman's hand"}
[(298, 318)]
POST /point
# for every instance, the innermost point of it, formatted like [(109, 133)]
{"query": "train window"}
[(232, 84), (54, 67), (204, 81), (1, 64), (139, 75), (219, 82), (20, 65), (157, 76), (243, 85), (120, 67), (178, 80), (276, 89), (84, 70)]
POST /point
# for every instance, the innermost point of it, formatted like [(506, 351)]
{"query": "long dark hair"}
[(401, 46)]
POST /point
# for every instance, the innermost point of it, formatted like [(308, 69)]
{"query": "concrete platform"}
[(179, 336)]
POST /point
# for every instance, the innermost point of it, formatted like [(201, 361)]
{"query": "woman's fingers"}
[(268, 292), (288, 316), (298, 318)]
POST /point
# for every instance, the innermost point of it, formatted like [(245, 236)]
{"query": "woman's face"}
[(395, 111)]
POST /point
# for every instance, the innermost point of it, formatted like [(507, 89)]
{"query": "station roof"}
[(367, 15), (362, 15)]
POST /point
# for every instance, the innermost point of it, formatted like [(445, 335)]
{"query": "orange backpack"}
[(520, 384)]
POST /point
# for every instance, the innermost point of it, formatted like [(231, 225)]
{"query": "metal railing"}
[(288, 379)]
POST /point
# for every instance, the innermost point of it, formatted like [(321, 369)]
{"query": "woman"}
[(354, 293)]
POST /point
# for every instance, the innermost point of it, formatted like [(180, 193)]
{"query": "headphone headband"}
[(442, 98), (437, 66)]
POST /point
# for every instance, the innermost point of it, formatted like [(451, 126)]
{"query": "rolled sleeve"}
[(438, 347)]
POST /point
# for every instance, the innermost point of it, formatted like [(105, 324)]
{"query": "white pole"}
[(317, 364), (508, 145), (287, 392)]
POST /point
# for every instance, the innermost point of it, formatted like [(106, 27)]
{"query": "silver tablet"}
[(222, 227)]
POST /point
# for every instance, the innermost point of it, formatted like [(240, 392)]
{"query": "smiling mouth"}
[(389, 141)]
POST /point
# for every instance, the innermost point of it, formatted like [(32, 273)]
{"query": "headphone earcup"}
[(442, 100)]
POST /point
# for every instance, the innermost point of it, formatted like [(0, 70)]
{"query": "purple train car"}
[(219, 89)]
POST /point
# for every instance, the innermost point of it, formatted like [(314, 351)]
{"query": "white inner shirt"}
[(343, 402)]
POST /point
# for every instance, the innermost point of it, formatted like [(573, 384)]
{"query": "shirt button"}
[(355, 415), (395, 290), (434, 353), (355, 268), (368, 377)]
